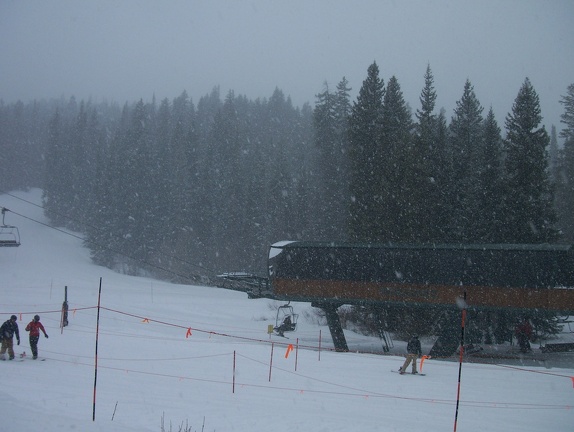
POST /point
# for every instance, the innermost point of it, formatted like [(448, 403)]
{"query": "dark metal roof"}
[(460, 246)]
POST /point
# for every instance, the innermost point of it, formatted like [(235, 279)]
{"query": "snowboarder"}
[(7, 332), (413, 352), (34, 328)]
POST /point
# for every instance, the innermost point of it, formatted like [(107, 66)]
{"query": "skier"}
[(413, 352), (34, 328), (7, 332)]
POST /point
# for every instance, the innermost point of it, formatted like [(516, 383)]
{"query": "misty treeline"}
[(186, 190)]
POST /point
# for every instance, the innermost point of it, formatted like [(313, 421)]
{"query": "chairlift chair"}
[(9, 235), (286, 319)]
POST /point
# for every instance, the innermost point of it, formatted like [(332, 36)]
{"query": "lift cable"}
[(194, 277)]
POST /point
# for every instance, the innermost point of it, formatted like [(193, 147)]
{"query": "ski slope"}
[(171, 355)]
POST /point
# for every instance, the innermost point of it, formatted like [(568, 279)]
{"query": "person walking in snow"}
[(7, 332), (413, 352), (523, 332), (34, 328)]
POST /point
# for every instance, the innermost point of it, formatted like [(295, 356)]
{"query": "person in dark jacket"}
[(413, 352), (7, 332), (286, 325), (34, 328)]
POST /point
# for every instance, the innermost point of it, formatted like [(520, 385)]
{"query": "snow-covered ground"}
[(201, 357)]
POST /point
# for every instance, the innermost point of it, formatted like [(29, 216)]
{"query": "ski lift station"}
[(495, 276)]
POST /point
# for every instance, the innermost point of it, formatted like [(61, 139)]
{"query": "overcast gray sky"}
[(124, 50)]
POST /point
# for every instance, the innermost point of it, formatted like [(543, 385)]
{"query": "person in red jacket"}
[(34, 328), (523, 332)]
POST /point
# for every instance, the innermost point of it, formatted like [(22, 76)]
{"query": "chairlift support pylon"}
[(9, 234)]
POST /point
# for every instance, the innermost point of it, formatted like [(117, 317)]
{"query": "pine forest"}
[(185, 190)]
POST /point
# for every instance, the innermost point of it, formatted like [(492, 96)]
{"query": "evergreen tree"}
[(71, 165), (22, 145), (306, 178), (130, 240), (223, 165), (101, 232), (565, 170), (166, 208), (465, 143), (490, 170), (325, 139), (530, 211), (208, 107), (366, 158), (553, 155), (398, 208), (79, 159), (441, 209), (58, 167), (330, 121), (138, 184), (568, 116), (342, 111), (426, 119), (342, 108), (428, 166), (96, 147), (179, 212), (83, 149), (323, 120), (97, 225), (287, 167)]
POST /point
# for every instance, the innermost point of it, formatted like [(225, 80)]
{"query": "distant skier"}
[(523, 332), (413, 352), (34, 328), (7, 332)]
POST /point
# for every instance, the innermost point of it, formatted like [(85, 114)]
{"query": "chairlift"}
[(286, 319), (9, 235)]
